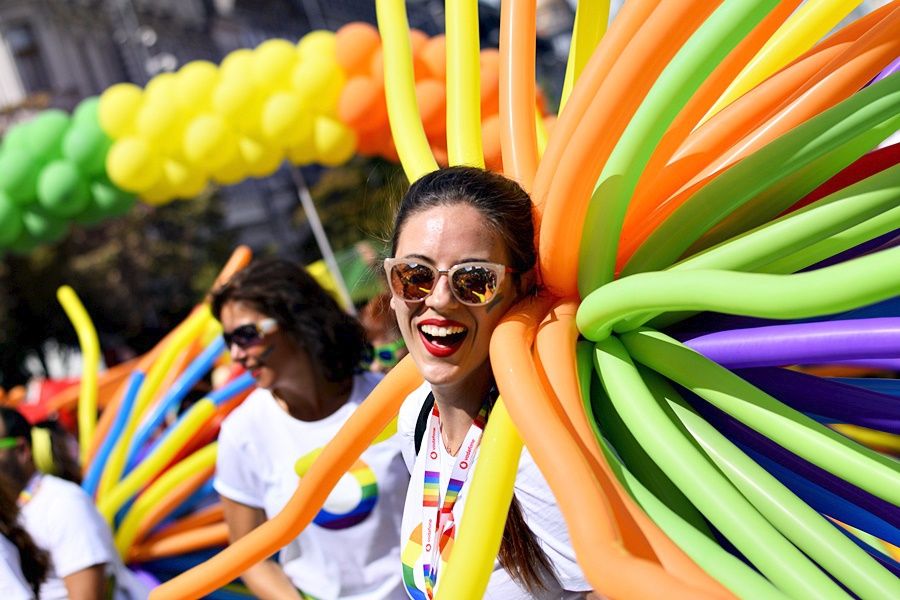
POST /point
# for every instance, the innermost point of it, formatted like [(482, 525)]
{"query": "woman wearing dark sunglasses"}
[(305, 354), (463, 254)]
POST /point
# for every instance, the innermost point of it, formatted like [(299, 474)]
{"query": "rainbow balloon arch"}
[(713, 207)]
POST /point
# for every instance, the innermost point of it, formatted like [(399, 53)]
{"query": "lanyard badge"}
[(437, 517)]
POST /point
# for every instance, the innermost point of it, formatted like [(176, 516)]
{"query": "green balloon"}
[(18, 175), (43, 226), (62, 191), (24, 244), (110, 199), (10, 220), (46, 134), (86, 145), (86, 111), (17, 137)]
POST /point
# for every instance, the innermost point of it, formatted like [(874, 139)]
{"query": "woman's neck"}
[(315, 402), (459, 405)]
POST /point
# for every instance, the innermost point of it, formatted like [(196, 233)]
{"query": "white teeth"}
[(436, 331)]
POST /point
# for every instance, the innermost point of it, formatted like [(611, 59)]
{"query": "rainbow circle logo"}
[(359, 476)]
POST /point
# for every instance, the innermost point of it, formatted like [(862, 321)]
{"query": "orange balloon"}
[(376, 66), (199, 538), (434, 57), (441, 156), (490, 141), (518, 132), (369, 419), (549, 124), (362, 104), (355, 43), (431, 96), (418, 40), (595, 534), (609, 93), (490, 82)]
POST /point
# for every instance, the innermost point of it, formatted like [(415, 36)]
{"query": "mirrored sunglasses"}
[(472, 283), (249, 334)]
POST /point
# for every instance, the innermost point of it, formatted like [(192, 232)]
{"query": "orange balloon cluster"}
[(362, 104)]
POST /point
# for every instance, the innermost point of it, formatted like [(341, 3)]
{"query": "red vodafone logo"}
[(464, 465), (427, 547), (433, 455)]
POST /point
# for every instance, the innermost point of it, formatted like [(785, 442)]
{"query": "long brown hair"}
[(507, 210), (35, 562)]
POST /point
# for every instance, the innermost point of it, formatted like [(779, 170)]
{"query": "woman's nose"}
[(442, 295)]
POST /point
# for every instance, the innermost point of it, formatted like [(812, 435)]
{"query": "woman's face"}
[(274, 360), (449, 340)]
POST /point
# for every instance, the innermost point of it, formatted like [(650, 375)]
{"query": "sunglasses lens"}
[(243, 336), (475, 284), (412, 281)]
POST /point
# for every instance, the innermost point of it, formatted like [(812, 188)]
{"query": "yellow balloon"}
[(238, 65), (132, 165), (317, 45), (239, 103), (319, 84), (160, 123), (162, 89), (303, 154), (159, 195), (118, 107), (285, 121), (184, 180), (262, 159), (209, 143), (273, 62), (233, 171), (196, 82), (335, 143)]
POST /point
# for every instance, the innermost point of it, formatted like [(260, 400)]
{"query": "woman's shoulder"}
[(409, 411)]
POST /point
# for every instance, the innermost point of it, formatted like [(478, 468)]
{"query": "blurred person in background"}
[(23, 566), (377, 318), (307, 356), (61, 518)]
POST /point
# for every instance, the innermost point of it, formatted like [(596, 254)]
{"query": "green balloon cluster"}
[(52, 172)]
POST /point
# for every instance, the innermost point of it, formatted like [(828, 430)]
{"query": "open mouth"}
[(442, 340)]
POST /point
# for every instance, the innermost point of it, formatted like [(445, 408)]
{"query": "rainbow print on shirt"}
[(364, 477)]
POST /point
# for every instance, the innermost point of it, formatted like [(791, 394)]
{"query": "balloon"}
[(362, 105), (518, 127), (231, 172), (16, 137), (62, 191), (86, 145), (490, 82), (132, 165), (111, 200), (195, 83), (273, 61), (490, 136), (304, 153), (87, 111), (354, 45), (431, 96), (209, 143), (42, 226), (318, 83), (185, 181), (238, 66), (434, 57), (159, 194), (462, 92), (24, 244), (399, 84), (10, 220), (261, 159), (317, 45), (18, 175), (118, 108), (239, 103), (46, 133), (286, 122), (335, 143), (161, 124)]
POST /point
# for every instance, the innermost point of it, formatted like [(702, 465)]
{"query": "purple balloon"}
[(802, 343), (888, 70), (828, 398)]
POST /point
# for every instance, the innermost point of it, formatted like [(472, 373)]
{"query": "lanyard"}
[(437, 522), (30, 490)]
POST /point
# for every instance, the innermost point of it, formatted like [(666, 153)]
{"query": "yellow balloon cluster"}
[(228, 122)]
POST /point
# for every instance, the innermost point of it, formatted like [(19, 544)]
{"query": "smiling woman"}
[(305, 354), (463, 254)]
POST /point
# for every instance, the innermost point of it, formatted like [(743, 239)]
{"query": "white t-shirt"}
[(538, 506), (352, 548), (62, 519), (13, 585)]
